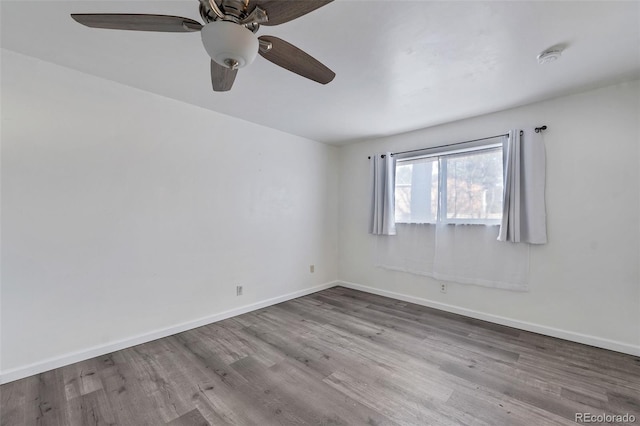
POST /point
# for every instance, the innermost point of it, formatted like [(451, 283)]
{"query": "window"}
[(416, 190), (461, 186)]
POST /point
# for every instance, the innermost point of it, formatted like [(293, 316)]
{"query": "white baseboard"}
[(51, 363), (522, 325)]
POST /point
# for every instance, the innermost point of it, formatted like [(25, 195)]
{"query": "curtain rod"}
[(537, 130)]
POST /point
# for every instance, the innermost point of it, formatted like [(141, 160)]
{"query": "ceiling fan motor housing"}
[(229, 44)]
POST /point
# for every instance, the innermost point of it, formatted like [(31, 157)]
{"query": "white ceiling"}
[(400, 65)]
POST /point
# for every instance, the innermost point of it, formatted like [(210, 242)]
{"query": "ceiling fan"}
[(229, 36)]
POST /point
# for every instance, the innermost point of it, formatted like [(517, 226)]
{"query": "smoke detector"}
[(549, 55)]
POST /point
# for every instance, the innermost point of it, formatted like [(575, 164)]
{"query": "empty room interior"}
[(317, 212)]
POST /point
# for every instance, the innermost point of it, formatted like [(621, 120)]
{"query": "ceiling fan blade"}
[(137, 22), (222, 78), (295, 60), (281, 11)]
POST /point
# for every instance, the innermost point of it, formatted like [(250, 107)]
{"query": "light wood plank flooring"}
[(337, 357)]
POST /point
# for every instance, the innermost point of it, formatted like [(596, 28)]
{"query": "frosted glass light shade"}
[(226, 42)]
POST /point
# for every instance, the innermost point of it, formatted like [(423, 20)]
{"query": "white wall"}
[(585, 283), (124, 213)]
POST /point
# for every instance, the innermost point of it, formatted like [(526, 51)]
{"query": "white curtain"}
[(412, 250), (383, 174), (471, 254), (524, 213), (468, 254)]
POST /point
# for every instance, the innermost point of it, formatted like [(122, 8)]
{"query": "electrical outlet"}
[(312, 268), (443, 287), (238, 290)]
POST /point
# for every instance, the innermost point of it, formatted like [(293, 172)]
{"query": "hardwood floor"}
[(335, 357)]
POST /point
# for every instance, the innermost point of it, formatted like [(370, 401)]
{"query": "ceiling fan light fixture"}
[(229, 44)]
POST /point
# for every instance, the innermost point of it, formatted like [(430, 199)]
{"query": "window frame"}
[(442, 153)]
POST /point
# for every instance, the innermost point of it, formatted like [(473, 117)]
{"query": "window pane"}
[(474, 185), (416, 191)]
